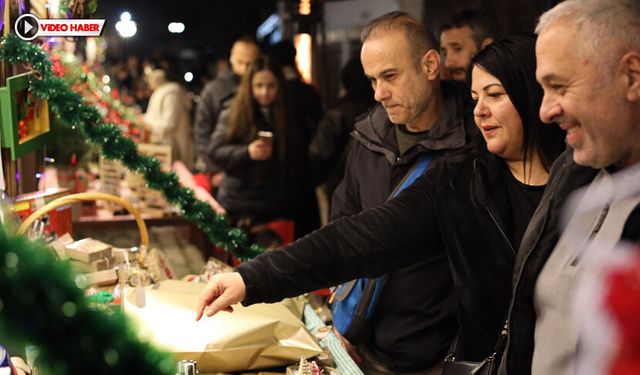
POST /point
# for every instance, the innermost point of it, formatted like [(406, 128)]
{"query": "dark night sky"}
[(211, 25)]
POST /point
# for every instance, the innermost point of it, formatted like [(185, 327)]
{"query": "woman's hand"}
[(222, 291), (260, 149)]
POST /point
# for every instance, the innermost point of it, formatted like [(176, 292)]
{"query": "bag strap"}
[(497, 349), (417, 169)]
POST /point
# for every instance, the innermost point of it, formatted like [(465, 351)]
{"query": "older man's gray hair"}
[(607, 28)]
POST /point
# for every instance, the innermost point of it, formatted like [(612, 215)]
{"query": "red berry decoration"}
[(623, 302), (22, 128)]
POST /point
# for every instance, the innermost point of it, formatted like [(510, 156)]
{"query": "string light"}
[(304, 7)]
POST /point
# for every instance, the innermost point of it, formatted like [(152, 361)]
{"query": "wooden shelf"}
[(105, 220), (12, 96)]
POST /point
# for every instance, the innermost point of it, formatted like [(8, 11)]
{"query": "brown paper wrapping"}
[(254, 337)]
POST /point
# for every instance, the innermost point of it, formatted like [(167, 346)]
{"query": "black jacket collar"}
[(376, 132)]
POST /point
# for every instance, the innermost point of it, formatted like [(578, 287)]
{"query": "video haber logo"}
[(29, 27)]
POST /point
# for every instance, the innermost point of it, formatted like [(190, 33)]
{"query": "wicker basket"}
[(83, 197)]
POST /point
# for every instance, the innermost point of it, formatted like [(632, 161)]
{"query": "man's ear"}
[(486, 42), (431, 64), (631, 72)]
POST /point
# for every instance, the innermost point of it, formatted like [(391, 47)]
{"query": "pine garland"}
[(72, 112), (41, 305)]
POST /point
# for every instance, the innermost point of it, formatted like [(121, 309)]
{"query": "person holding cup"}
[(255, 145)]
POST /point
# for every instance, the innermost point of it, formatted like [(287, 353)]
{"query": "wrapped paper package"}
[(259, 336)]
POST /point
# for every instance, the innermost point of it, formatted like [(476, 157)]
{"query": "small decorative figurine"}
[(304, 368)]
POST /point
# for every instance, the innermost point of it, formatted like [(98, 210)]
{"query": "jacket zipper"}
[(504, 235), (517, 284), (580, 253), (515, 289)]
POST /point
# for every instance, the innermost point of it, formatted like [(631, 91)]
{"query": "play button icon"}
[(27, 26)]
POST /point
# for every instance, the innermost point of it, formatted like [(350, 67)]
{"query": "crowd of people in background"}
[(477, 266), (259, 180), (174, 117)]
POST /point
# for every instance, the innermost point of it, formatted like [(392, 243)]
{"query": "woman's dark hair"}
[(169, 65), (512, 61), (245, 114)]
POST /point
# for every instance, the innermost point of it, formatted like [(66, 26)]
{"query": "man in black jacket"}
[(415, 319), (328, 148), (412, 327), (215, 97), (593, 93)]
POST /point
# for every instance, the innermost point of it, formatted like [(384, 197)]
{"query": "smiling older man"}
[(588, 55)]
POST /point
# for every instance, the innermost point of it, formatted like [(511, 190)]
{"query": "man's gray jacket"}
[(215, 96)]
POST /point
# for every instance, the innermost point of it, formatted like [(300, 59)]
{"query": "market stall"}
[(87, 303)]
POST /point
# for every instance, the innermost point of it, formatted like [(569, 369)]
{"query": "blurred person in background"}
[(464, 34), (168, 115), (134, 67), (264, 175), (328, 148), (304, 97), (307, 111), (216, 96)]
